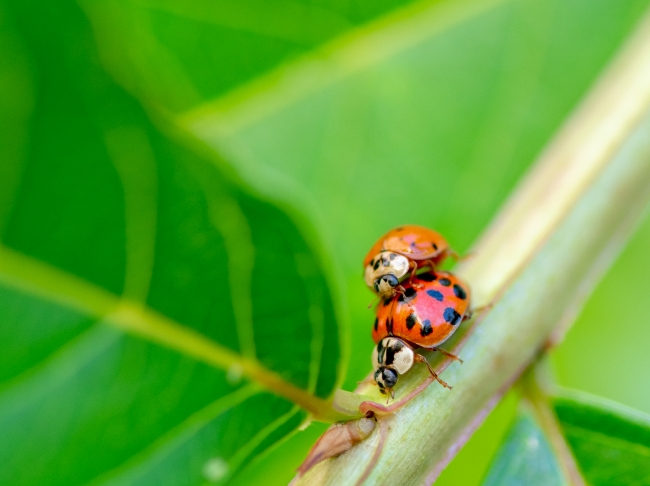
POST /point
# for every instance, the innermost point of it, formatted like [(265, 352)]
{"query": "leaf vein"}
[(24, 272)]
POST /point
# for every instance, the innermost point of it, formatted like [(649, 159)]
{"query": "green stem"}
[(535, 384), (546, 249)]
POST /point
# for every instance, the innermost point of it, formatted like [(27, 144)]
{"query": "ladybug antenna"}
[(373, 301)]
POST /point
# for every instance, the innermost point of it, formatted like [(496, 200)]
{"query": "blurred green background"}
[(355, 117)]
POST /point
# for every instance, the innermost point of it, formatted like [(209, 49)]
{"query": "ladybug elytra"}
[(424, 315), (399, 251)]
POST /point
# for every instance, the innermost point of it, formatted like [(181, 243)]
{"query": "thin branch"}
[(536, 397), (571, 215)]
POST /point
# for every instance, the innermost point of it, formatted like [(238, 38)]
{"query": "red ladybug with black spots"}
[(424, 315), (400, 250)]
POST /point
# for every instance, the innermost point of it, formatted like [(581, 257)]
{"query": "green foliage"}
[(354, 116), (429, 115), (103, 212), (611, 443)]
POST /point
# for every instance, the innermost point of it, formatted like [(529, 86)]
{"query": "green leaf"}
[(525, 457), (428, 113), (610, 442), (161, 323), (425, 112), (200, 49), (611, 445)]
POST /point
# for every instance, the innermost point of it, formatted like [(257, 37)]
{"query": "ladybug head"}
[(383, 272), (391, 357), (385, 284), (386, 379)]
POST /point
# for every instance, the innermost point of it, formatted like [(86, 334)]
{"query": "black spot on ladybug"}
[(451, 316), (460, 292), (435, 294), (425, 328), (401, 228), (390, 356), (411, 320), (389, 326), (387, 301), (427, 277), (376, 323), (391, 351), (435, 247), (445, 281), (375, 265), (407, 295)]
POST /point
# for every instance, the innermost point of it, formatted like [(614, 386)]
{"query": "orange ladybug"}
[(424, 315), (399, 251)]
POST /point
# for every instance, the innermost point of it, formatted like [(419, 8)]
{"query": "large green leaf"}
[(184, 52), (611, 442), (400, 119), (160, 323), (426, 113)]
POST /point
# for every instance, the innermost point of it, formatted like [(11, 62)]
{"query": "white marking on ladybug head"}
[(390, 358), (383, 272)]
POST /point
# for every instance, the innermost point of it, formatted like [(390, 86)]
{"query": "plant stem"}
[(540, 258), (534, 385)]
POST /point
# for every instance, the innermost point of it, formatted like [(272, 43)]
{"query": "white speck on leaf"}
[(215, 469), (234, 374), (532, 443)]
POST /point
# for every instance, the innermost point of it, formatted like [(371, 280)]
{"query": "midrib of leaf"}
[(30, 275), (352, 52), (179, 433)]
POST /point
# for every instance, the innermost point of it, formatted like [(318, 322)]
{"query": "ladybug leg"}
[(478, 310), (448, 354), (460, 258), (413, 275), (431, 265), (397, 290), (421, 359), (368, 380)]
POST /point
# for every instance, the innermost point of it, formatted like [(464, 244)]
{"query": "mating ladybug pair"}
[(417, 310)]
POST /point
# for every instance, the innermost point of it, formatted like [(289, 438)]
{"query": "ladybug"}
[(424, 315), (399, 251)]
